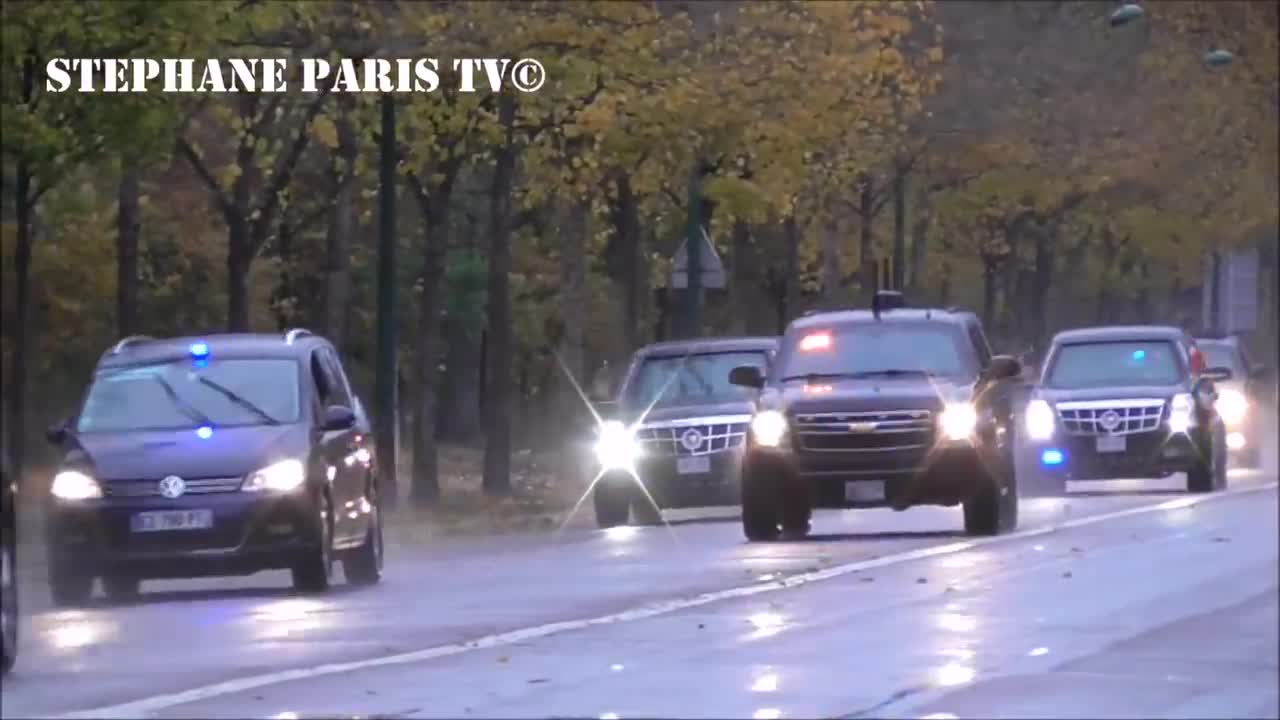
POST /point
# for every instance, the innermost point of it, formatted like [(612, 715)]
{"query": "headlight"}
[(616, 447), (1232, 406), (283, 476), (1181, 412), (1040, 422), (958, 421), (75, 485), (769, 428)]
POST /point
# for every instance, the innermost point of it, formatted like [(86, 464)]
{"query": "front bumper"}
[(662, 477), (1146, 455), (250, 532)]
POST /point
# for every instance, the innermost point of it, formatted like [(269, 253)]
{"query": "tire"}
[(797, 511), (8, 608), (1210, 474), (760, 516), (643, 511), (612, 505), (363, 565), (121, 588), (69, 588), (313, 572), (993, 509)]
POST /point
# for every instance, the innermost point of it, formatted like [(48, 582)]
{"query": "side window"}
[(980, 345), (339, 392), (320, 378)]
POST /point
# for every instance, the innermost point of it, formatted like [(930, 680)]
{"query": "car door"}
[(332, 447), (351, 474), (359, 449)]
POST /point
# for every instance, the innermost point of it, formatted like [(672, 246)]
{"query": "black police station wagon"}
[(223, 455)]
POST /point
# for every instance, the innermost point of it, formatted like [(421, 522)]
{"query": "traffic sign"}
[(713, 275)]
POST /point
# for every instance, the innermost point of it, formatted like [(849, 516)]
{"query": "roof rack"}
[(294, 334), (118, 347)]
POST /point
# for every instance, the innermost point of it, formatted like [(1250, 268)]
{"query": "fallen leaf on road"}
[(1222, 539), (537, 681), (922, 581), (868, 579), (504, 659), (1076, 550), (701, 626), (1066, 574)]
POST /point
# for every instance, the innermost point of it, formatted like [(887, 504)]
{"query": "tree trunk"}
[(22, 335), (990, 278), (866, 252), (426, 482), (338, 241), (634, 281), (741, 289), (574, 231), (832, 278), (791, 273), (497, 450), (128, 227), (899, 228), (919, 248), (1046, 260), (286, 292), (239, 260)]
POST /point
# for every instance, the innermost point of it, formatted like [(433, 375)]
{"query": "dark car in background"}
[(220, 455), (1243, 401), (888, 407), (8, 564), (1124, 402), (675, 438)]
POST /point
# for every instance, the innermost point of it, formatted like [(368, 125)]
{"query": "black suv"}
[(8, 565), (1125, 402), (223, 455), (888, 407), (677, 429)]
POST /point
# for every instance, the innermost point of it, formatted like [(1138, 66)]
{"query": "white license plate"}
[(864, 491), (1111, 443), (693, 465), (163, 520)]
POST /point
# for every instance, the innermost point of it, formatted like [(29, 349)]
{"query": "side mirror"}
[(1218, 374), (747, 376), (57, 432), (338, 417), (1004, 367)]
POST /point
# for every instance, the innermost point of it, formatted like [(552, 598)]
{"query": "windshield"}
[(1109, 364), (176, 395), (1218, 355), (693, 380), (879, 349)]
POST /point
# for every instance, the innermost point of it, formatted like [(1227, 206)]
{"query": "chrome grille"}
[(1128, 416), (715, 435), (151, 488), (875, 431)]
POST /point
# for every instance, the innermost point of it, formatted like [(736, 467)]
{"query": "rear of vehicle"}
[(678, 440), (1121, 403), (1238, 401)]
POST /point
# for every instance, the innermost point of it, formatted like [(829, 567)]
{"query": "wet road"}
[(1125, 602)]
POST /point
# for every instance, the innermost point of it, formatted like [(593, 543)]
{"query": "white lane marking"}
[(145, 706)]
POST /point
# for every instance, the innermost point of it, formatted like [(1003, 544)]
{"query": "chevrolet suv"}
[(889, 407)]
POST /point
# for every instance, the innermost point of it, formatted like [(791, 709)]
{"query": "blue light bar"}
[(1051, 457), (204, 432), (199, 350)]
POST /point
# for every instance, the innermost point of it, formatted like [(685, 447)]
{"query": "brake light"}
[(815, 342)]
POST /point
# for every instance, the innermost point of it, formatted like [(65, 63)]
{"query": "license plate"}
[(864, 491), (163, 520), (693, 465), (1111, 443)]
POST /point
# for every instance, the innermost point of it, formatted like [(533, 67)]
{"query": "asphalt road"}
[(1130, 600)]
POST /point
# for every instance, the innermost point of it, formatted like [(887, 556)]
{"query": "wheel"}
[(760, 517), (797, 511), (611, 503), (1210, 472), (121, 588), (363, 565), (8, 609), (993, 509), (314, 570), (69, 588)]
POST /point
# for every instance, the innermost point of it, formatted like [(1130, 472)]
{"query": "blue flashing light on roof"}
[(204, 432), (1139, 354), (1051, 457), (199, 350)]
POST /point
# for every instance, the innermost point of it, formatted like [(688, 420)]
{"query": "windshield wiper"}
[(186, 408), (239, 400)]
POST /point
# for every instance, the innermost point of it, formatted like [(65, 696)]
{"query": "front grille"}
[(1111, 417), (877, 431), (712, 437), (151, 488)]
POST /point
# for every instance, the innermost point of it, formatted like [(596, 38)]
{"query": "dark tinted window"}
[(1220, 355), (692, 380), (180, 394), (942, 349), (1109, 364)]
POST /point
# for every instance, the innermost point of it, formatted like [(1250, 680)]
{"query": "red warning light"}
[(815, 342)]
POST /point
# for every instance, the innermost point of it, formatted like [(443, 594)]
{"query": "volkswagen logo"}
[(1110, 420), (691, 439), (172, 487)]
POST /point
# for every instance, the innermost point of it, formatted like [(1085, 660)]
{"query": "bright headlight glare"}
[(1231, 405), (1181, 412), (959, 420), (769, 428), (1039, 420), (616, 446), (283, 476), (75, 485)]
